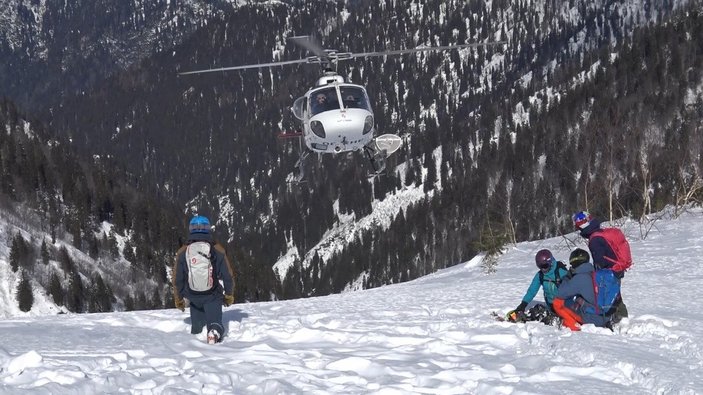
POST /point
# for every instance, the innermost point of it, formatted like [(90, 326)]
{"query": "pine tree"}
[(93, 247), (45, 256), (74, 296), (128, 303), (24, 294), (100, 296), (168, 298), (112, 245), (128, 252), (65, 261), (156, 301), (56, 290), (16, 252), (140, 302)]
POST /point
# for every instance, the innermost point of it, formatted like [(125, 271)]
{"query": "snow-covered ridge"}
[(433, 335), (349, 228)]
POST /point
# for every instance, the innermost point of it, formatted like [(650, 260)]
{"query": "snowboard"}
[(501, 318), (497, 316), (545, 319)]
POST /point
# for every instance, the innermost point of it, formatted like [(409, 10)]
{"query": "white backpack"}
[(200, 276)]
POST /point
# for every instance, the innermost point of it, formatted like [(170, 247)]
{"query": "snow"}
[(287, 260), (433, 335)]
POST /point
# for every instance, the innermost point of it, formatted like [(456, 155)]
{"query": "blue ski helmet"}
[(581, 220), (199, 224)]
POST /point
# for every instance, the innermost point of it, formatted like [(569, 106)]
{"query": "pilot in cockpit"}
[(351, 102), (320, 103)]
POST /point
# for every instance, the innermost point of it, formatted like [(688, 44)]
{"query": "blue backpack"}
[(607, 290)]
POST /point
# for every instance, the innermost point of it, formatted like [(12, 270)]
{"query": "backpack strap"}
[(560, 265), (557, 276), (595, 292)]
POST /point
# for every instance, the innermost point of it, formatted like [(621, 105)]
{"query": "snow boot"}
[(213, 337)]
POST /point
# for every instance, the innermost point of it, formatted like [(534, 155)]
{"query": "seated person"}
[(548, 277), (580, 287), (320, 103), (351, 102)]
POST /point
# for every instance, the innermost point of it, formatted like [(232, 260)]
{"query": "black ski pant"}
[(206, 310)]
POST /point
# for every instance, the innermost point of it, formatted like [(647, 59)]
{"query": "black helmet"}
[(577, 257), (543, 259)]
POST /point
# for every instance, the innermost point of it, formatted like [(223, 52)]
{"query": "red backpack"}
[(617, 242)]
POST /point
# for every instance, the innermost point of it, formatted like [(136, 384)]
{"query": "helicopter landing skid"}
[(377, 158), (300, 168)]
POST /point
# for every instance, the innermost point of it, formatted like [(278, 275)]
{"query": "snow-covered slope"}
[(432, 335), (24, 222)]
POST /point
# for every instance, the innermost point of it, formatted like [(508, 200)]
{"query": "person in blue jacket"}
[(199, 267), (548, 278), (579, 289)]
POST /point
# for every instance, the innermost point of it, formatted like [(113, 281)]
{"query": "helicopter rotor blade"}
[(311, 44), (422, 49), (248, 66), (325, 57)]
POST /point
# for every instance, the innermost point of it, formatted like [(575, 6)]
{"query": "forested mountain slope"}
[(85, 235), (591, 104)]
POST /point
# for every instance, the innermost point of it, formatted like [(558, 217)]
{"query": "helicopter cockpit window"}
[(354, 98), (324, 100)]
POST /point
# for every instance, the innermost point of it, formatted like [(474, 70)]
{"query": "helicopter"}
[(336, 115)]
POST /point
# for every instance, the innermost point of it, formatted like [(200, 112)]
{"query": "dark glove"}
[(228, 300), (180, 304), (514, 315)]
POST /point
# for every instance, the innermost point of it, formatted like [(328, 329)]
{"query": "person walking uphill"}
[(199, 267), (548, 277)]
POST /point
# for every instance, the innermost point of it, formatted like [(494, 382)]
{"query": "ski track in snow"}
[(433, 335)]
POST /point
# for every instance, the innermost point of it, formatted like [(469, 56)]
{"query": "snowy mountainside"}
[(349, 228), (433, 335), (148, 118), (23, 222), (9, 281), (44, 42), (571, 29), (142, 24)]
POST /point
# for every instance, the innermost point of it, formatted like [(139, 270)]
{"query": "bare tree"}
[(687, 192)]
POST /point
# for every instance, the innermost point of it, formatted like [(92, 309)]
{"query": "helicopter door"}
[(299, 107)]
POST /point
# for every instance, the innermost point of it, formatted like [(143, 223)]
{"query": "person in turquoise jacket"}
[(548, 278)]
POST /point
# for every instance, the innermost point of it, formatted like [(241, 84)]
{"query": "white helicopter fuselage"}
[(336, 117), (344, 131)]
